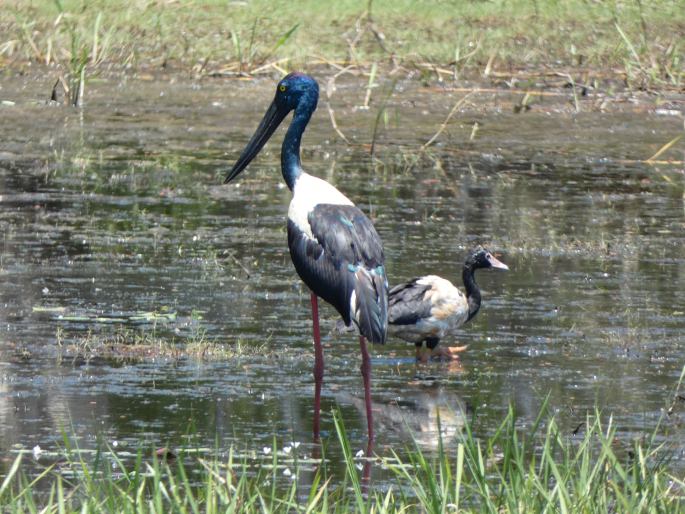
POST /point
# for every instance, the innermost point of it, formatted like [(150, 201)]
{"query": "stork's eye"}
[(282, 87)]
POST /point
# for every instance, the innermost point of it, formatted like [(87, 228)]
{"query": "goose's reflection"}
[(423, 412)]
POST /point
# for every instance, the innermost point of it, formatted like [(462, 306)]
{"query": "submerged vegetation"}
[(574, 42), (132, 345), (536, 469)]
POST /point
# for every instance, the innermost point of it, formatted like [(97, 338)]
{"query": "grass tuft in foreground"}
[(544, 471), (515, 470)]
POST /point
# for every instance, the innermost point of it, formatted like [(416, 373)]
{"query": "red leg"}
[(366, 470), (318, 365), (366, 375)]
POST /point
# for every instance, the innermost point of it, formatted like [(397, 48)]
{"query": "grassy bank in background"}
[(537, 469), (636, 42)]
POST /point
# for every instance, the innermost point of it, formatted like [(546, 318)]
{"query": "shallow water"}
[(118, 210)]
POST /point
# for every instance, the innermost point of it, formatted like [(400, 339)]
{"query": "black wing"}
[(346, 234), (345, 255), (407, 303)]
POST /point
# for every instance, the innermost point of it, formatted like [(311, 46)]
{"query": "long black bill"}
[(270, 122)]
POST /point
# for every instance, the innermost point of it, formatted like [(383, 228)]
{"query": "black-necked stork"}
[(428, 308), (333, 245)]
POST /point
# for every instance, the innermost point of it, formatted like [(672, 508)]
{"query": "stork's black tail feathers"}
[(369, 303)]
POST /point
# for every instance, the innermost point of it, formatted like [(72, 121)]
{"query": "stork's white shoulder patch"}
[(308, 192)]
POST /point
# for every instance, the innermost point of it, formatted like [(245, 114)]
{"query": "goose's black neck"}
[(472, 289)]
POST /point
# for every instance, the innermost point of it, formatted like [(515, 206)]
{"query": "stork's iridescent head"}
[(296, 89), (294, 92)]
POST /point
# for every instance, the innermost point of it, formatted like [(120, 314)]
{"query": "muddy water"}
[(116, 212)]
